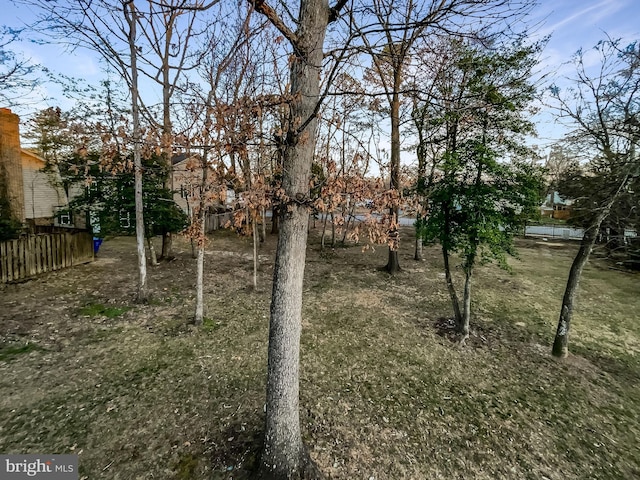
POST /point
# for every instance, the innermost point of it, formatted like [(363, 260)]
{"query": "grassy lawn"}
[(136, 392)]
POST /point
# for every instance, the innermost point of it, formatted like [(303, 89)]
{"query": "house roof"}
[(557, 200), (32, 155), (181, 157)]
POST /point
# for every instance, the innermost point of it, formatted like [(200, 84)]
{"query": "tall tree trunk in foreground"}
[(130, 15), (284, 455), (167, 132)]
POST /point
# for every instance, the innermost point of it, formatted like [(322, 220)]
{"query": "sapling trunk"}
[(255, 254), (466, 312), (455, 303), (131, 18), (198, 317), (417, 254), (152, 252), (561, 341)]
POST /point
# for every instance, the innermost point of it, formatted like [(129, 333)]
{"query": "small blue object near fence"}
[(96, 244)]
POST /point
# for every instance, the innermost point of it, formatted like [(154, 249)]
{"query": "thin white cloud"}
[(602, 10)]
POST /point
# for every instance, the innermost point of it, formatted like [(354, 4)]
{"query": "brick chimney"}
[(11, 183)]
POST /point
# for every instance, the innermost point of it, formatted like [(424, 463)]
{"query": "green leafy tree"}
[(110, 196), (484, 191)]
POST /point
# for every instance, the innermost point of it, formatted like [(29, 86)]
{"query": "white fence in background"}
[(554, 231), (562, 231)]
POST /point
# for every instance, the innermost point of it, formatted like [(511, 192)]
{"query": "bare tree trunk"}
[(324, 230), (333, 231), (284, 455), (255, 254), (275, 219), (466, 315), (167, 238), (200, 240), (393, 263), (263, 225), (455, 303), (198, 317), (561, 341), (346, 226), (131, 17), (152, 252), (417, 255)]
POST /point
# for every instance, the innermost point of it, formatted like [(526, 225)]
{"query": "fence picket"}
[(32, 255)]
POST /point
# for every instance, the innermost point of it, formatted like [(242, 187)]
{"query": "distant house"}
[(34, 193), (45, 201), (555, 206), (186, 179)]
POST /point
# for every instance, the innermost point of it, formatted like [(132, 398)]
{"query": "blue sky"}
[(572, 24), (575, 24)]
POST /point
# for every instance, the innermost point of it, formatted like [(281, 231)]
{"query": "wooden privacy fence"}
[(31, 255)]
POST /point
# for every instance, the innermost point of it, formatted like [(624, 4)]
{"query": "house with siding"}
[(556, 207), (45, 201), (35, 194), (186, 179)]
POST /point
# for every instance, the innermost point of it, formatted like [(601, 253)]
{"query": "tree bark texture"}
[(275, 219), (152, 252), (466, 311), (455, 303), (198, 317), (561, 341), (417, 254), (284, 455), (167, 133), (256, 240)]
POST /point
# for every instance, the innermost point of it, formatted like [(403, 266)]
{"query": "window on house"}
[(125, 219), (62, 217)]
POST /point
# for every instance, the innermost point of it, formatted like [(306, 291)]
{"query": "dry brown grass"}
[(139, 393)]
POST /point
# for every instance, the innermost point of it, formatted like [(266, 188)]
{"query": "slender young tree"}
[(169, 28), (486, 190), (130, 15), (213, 141)]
